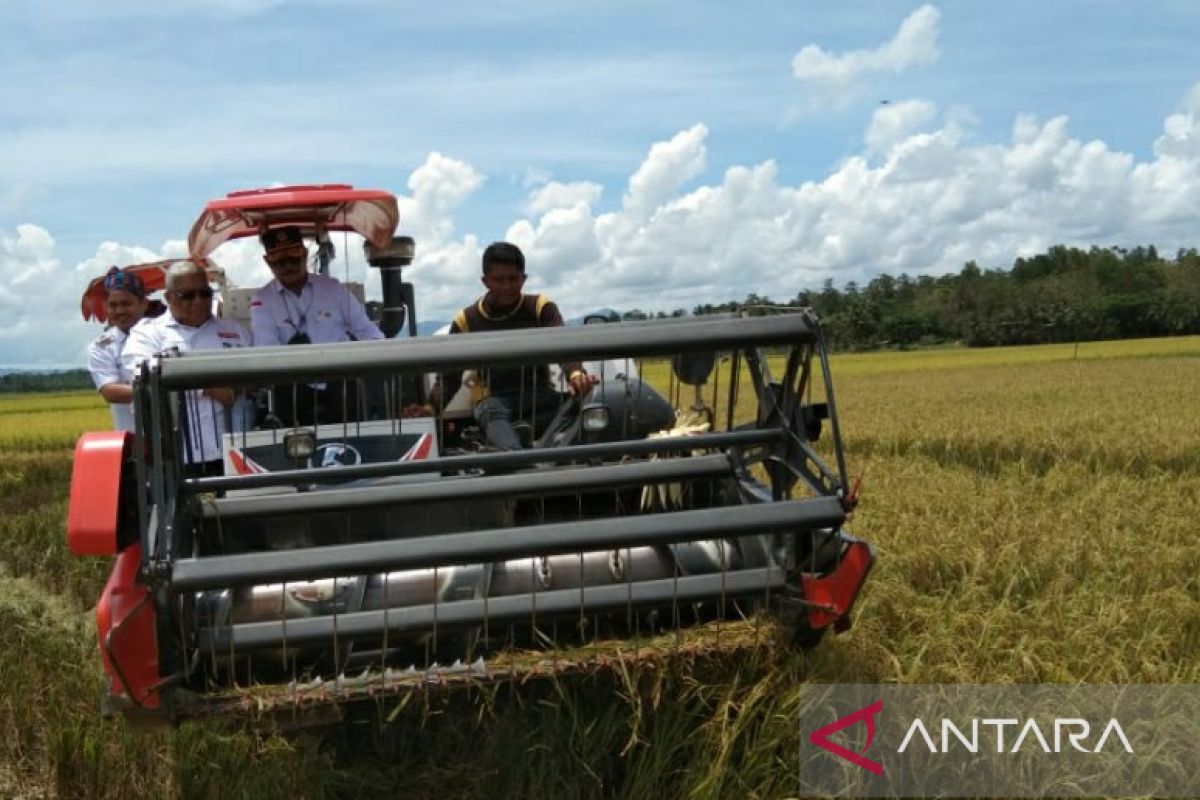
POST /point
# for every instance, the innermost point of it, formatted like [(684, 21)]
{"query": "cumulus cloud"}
[(438, 187), (669, 165), (895, 122), (555, 195), (32, 303), (923, 198), (1181, 131), (914, 44)]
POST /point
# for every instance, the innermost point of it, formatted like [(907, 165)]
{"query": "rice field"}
[(1034, 513)]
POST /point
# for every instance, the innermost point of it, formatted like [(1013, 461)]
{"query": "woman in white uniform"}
[(125, 304)]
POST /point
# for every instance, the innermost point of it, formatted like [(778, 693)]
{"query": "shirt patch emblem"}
[(228, 335), (256, 303)]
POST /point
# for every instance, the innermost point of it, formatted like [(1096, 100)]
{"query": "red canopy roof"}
[(314, 209), (153, 275)]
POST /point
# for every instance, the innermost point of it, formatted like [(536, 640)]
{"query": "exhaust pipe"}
[(398, 297)]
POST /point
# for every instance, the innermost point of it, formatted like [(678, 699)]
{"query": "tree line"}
[(1065, 294), (59, 381)]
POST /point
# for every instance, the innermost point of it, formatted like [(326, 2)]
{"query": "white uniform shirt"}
[(324, 310), (104, 362), (208, 420)]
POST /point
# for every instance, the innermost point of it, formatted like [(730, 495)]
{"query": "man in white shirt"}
[(297, 307), (125, 304), (189, 324)]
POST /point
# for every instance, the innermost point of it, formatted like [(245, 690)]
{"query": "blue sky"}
[(655, 157)]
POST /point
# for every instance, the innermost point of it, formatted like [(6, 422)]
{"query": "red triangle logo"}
[(820, 737)]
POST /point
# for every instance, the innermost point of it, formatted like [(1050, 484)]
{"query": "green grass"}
[(1034, 514)]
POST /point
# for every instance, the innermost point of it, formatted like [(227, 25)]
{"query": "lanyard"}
[(301, 325)]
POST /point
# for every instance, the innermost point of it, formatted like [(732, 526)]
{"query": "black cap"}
[(279, 238)]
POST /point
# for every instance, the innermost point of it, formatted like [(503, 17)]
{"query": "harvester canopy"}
[(316, 209)]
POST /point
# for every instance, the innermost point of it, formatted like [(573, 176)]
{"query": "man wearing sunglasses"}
[(124, 304), (298, 307), (189, 324)]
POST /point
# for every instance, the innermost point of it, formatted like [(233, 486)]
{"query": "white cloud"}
[(924, 197), (555, 195), (33, 306), (932, 200), (668, 166), (1181, 131), (438, 187), (914, 44), (532, 177), (110, 254), (27, 276), (895, 122)]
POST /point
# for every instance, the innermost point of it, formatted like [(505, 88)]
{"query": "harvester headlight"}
[(299, 444), (595, 417)]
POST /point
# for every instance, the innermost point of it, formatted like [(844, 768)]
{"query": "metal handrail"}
[(383, 358)]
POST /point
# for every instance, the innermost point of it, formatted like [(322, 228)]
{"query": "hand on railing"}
[(580, 382), (417, 410), (222, 394)]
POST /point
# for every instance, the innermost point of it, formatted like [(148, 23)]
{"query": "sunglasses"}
[(288, 256), (204, 294)]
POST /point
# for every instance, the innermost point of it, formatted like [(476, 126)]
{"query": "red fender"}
[(831, 597), (95, 493), (125, 623)]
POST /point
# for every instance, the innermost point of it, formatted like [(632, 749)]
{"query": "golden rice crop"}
[(962, 357), (41, 402), (1034, 514), (50, 421)]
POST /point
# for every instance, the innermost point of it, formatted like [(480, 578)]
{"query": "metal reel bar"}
[(500, 544)]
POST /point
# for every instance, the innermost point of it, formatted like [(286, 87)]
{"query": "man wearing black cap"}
[(297, 307), (125, 304)]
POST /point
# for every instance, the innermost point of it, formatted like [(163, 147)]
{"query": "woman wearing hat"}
[(125, 302)]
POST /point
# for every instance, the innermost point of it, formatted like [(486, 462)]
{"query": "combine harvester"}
[(376, 554)]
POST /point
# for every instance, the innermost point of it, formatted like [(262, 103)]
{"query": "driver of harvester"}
[(503, 394), (297, 307)]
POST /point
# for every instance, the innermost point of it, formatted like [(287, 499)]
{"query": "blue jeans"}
[(495, 416)]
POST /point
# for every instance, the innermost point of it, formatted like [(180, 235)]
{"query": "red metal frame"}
[(315, 209), (153, 275), (831, 597), (95, 492), (125, 624)]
